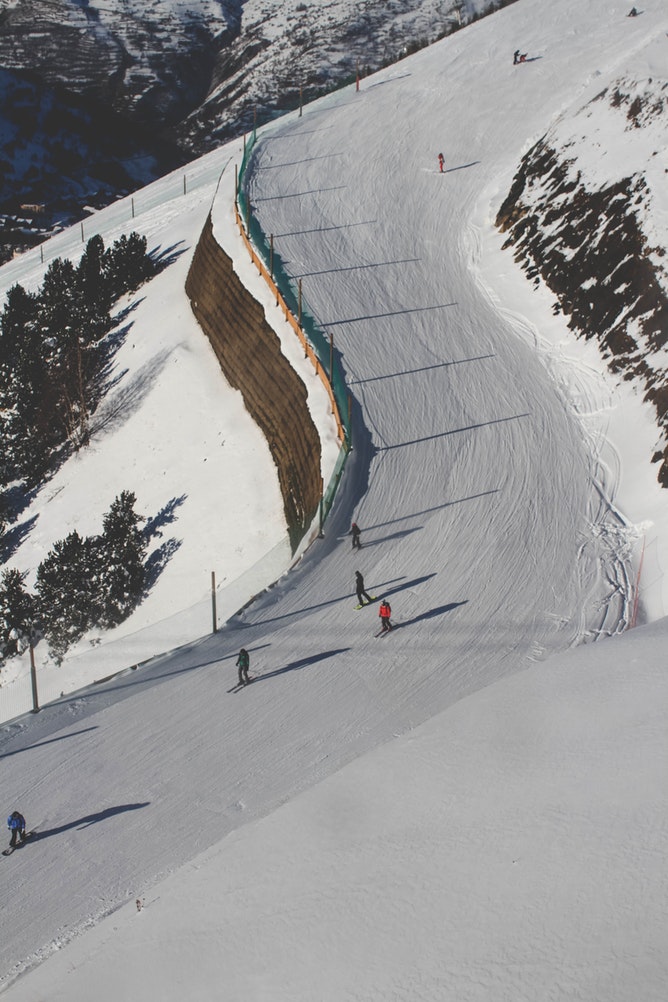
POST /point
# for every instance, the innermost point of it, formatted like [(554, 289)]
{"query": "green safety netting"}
[(328, 357)]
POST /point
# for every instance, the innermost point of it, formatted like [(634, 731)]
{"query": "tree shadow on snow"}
[(13, 538), (160, 557), (163, 257), (158, 560), (116, 410), (165, 516)]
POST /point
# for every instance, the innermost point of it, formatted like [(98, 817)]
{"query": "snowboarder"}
[(633, 12), (441, 162), (359, 587), (243, 664), (516, 57), (17, 826), (356, 533), (385, 612)]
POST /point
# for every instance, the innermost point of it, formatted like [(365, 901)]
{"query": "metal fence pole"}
[(213, 602)]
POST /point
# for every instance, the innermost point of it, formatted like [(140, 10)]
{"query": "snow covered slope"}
[(511, 848), (513, 845)]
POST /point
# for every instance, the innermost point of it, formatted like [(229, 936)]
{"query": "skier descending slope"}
[(243, 664), (385, 611)]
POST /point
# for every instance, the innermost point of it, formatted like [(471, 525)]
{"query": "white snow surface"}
[(472, 807)]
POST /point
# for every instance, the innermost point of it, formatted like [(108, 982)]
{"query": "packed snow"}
[(472, 807)]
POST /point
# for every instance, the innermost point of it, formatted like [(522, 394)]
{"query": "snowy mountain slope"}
[(182, 76), (486, 523), (588, 213), (283, 46), (162, 58), (153, 54), (171, 427), (512, 847)]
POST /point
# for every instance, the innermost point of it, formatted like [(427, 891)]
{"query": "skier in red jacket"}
[(385, 612)]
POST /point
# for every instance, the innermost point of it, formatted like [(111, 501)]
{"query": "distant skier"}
[(359, 587), (441, 162), (17, 826), (385, 612), (516, 57), (243, 664), (633, 12), (356, 533)]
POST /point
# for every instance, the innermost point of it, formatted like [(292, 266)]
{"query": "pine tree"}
[(64, 322), (94, 292), (127, 264), (17, 614), (68, 603), (26, 420), (4, 514), (120, 555)]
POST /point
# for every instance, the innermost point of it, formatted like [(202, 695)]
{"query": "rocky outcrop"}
[(250, 356), (591, 240)]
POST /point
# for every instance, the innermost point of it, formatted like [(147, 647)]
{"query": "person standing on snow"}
[(17, 826), (359, 588), (385, 612), (356, 533), (441, 162), (243, 664)]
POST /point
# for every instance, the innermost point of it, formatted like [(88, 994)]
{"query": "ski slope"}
[(451, 750)]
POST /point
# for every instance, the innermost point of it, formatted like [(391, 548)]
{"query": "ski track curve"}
[(481, 519)]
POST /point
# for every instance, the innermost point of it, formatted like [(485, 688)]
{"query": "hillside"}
[(587, 214), (98, 100)]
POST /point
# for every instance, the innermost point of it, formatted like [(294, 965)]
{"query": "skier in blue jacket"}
[(17, 826)]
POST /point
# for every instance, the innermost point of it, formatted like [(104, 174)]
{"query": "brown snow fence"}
[(249, 353)]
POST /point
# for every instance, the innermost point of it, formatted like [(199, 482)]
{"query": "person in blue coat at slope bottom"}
[(17, 826)]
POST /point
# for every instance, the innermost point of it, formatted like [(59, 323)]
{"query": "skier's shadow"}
[(301, 663), (393, 535), (404, 586), (438, 611), (450, 170), (90, 819)]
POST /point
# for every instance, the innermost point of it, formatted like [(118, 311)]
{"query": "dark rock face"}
[(59, 153), (590, 247)]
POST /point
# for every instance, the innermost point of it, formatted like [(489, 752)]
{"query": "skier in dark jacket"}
[(356, 533), (17, 826), (243, 664), (359, 588)]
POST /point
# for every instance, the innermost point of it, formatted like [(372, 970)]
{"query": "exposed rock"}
[(591, 246)]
